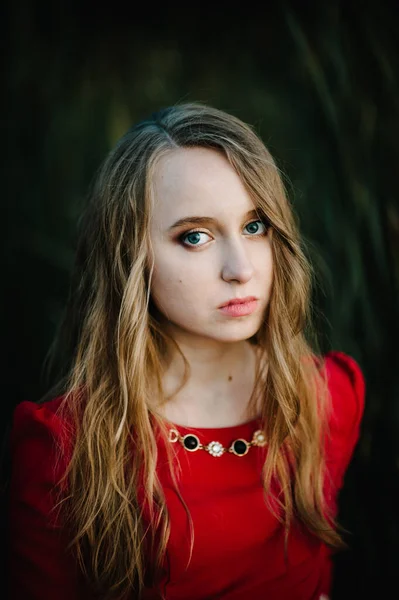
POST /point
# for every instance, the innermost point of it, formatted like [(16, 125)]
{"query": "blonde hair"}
[(116, 345)]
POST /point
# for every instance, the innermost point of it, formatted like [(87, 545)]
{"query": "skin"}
[(198, 267)]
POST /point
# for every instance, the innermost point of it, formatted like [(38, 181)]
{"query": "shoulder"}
[(37, 546), (39, 441), (31, 419), (346, 384), (43, 416)]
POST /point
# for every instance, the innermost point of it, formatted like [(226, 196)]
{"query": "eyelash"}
[(187, 233)]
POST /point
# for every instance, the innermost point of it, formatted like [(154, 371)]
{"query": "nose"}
[(237, 265)]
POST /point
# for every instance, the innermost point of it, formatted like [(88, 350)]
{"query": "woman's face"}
[(209, 247)]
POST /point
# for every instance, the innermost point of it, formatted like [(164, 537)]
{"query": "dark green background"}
[(320, 83)]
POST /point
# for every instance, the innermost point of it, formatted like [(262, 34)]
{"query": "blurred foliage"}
[(319, 81)]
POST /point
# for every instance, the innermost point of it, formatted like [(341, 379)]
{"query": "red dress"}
[(239, 545)]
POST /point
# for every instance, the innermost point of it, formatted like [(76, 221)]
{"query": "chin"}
[(228, 332), (236, 334)]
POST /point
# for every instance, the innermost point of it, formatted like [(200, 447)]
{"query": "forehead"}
[(200, 180)]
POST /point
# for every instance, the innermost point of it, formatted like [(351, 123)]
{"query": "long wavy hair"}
[(116, 345)]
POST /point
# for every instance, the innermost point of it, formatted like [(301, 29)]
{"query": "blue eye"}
[(192, 238), (254, 227)]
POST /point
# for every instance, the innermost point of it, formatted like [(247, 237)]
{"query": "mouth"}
[(235, 301), (239, 307)]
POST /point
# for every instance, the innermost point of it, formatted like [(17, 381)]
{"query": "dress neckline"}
[(228, 429)]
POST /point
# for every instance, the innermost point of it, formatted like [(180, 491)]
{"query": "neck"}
[(209, 363), (219, 386)]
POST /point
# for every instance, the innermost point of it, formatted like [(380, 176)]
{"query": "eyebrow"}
[(203, 220)]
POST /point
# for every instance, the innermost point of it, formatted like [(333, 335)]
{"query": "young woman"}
[(198, 440)]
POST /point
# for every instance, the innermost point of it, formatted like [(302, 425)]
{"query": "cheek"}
[(264, 265), (268, 270), (173, 281)]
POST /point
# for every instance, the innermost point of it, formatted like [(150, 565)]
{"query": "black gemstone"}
[(190, 442), (240, 447)]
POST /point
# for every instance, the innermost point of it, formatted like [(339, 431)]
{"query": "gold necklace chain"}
[(239, 447)]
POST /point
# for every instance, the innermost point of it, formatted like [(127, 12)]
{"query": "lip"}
[(239, 307), (234, 301)]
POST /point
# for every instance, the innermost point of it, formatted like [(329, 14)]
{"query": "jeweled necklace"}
[(239, 447)]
